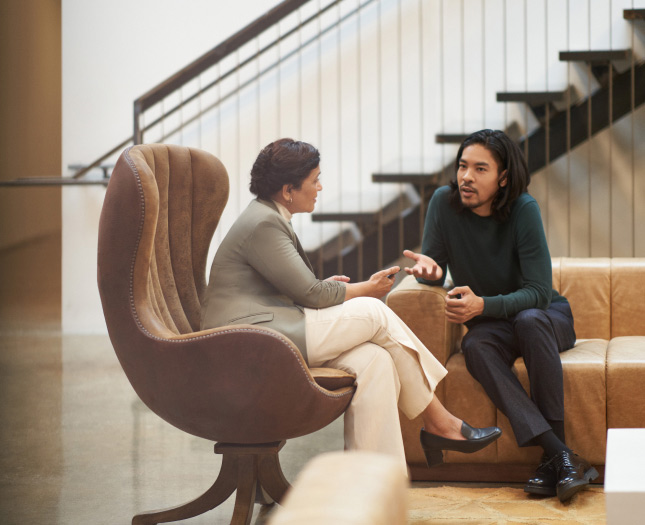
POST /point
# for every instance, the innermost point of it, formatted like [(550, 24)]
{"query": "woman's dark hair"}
[(285, 161), (509, 157)]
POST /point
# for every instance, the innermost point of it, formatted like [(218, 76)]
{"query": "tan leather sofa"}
[(604, 373)]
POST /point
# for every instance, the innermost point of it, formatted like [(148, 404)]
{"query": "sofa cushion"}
[(627, 298), (583, 369), (586, 283), (584, 400), (625, 376)]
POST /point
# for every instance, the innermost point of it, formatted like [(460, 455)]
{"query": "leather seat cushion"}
[(625, 377)]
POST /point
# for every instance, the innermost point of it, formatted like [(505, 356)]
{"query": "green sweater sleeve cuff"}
[(494, 307)]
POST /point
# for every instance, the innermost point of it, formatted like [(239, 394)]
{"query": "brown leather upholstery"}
[(603, 373), (242, 384), (625, 379), (627, 284), (587, 285)]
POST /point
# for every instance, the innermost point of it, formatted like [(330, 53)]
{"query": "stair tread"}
[(531, 97), (411, 178), (595, 55), (359, 217), (451, 138), (634, 14), (366, 206)]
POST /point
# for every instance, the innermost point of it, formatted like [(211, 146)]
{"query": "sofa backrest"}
[(607, 295)]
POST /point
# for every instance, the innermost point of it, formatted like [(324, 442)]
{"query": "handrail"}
[(171, 84), (211, 58), (253, 78), (247, 61)]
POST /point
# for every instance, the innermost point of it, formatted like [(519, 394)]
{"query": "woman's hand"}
[(377, 285), (341, 278), (381, 282), (425, 267), (462, 305)]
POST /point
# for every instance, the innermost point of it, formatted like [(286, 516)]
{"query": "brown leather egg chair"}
[(245, 387)]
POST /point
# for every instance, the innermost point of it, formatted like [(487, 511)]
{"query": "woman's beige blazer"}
[(261, 275)]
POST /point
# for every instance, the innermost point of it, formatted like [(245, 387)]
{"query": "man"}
[(488, 231)]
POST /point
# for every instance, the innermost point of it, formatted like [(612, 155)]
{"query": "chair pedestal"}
[(253, 470)]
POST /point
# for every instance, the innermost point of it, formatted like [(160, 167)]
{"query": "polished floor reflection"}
[(78, 447)]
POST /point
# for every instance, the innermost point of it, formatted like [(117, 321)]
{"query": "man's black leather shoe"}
[(573, 474), (544, 480)]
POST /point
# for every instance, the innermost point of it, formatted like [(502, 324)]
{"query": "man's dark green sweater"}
[(506, 263)]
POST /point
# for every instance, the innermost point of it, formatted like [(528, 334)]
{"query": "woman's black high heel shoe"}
[(476, 439)]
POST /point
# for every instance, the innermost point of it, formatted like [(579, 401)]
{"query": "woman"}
[(261, 275)]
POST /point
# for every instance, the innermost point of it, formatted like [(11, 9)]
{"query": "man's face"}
[(479, 179)]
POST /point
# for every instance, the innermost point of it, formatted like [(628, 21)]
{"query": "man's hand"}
[(341, 278), (425, 267), (465, 308)]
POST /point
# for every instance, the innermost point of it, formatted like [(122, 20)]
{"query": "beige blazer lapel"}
[(294, 237)]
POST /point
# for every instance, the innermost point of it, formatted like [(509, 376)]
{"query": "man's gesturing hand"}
[(465, 308), (425, 267)]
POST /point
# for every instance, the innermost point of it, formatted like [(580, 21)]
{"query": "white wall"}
[(464, 52), (113, 52)]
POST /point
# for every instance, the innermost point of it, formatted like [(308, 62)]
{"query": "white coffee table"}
[(624, 479)]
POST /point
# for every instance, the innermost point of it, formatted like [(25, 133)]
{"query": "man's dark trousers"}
[(491, 347)]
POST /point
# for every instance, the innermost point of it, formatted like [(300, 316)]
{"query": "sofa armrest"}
[(422, 308)]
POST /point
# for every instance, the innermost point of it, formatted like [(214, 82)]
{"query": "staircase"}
[(302, 39), (559, 132)]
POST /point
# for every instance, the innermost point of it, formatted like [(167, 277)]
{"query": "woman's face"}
[(303, 199)]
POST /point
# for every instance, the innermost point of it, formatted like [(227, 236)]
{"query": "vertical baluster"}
[(589, 144), (483, 63), (442, 102), (462, 71), (199, 112), (163, 119), (300, 108), (421, 121), (139, 126), (400, 119), (568, 134), (278, 85), (505, 75), (219, 110), (632, 104), (547, 118), (339, 145), (218, 144), (379, 128), (241, 176), (258, 98), (611, 142), (181, 115), (526, 87), (359, 163), (319, 101)]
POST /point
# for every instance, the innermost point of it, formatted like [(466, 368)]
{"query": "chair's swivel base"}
[(254, 470)]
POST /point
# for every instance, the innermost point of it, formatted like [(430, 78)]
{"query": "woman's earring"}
[(290, 200)]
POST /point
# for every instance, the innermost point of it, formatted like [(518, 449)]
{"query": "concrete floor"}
[(77, 446)]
